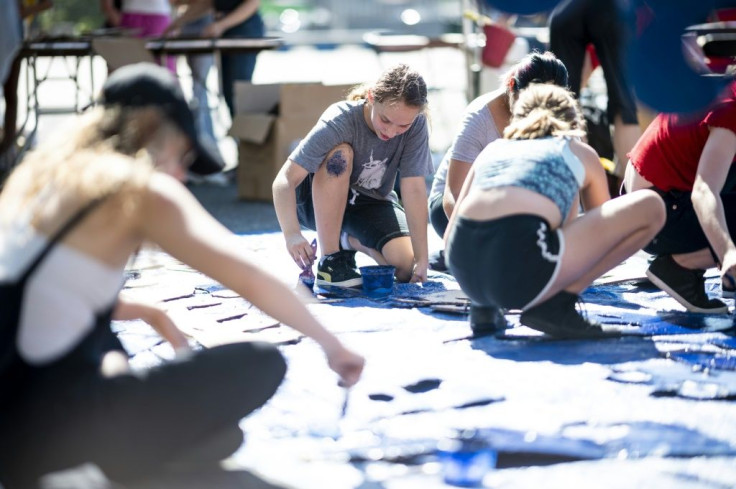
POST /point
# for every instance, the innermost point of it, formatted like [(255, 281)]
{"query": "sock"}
[(345, 242)]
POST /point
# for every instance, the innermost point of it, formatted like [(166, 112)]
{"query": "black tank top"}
[(226, 5)]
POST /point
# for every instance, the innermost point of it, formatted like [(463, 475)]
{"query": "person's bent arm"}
[(111, 14), (284, 202), (594, 191), (173, 219), (127, 309), (713, 167), (457, 172), (243, 12), (460, 198), (193, 10), (414, 198)]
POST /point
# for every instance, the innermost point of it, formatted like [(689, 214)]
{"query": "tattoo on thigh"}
[(336, 164)]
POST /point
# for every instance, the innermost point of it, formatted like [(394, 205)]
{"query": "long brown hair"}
[(104, 153)]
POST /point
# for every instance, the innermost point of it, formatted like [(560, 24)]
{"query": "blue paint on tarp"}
[(640, 439), (706, 360), (529, 443), (681, 323), (601, 352), (588, 441), (723, 342), (697, 390), (411, 294)]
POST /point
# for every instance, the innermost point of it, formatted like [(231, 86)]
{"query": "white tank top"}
[(62, 297), (147, 7)]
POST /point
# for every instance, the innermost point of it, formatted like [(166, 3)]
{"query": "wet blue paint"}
[(424, 385), (381, 397), (721, 361)]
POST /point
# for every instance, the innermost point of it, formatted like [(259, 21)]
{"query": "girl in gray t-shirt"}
[(339, 181)]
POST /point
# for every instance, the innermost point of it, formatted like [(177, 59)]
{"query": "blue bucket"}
[(378, 280), (465, 461)]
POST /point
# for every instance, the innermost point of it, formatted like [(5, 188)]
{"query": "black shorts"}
[(372, 221), (682, 232), (508, 262)]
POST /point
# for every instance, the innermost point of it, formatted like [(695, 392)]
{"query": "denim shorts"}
[(507, 262), (372, 221)]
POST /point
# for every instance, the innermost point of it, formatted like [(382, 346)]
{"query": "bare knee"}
[(339, 161), (654, 209), (399, 253)]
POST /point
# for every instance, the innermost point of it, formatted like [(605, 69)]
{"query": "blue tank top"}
[(546, 166)]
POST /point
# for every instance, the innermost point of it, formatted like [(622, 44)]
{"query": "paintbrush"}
[(344, 408), (306, 277), (345, 403)]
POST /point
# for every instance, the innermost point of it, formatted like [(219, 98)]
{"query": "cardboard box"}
[(270, 122)]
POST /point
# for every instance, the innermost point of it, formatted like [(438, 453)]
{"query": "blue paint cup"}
[(466, 460), (378, 280)]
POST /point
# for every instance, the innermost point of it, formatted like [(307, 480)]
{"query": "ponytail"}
[(544, 110)]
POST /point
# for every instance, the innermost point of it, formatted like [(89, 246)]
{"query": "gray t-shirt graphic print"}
[(375, 162), (372, 173)]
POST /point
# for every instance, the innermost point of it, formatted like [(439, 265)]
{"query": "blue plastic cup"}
[(378, 280)]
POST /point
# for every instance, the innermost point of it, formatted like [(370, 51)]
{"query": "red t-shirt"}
[(668, 152)]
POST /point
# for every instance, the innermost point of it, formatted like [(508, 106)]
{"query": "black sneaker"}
[(437, 261), (558, 317), (486, 320), (338, 270), (685, 285)]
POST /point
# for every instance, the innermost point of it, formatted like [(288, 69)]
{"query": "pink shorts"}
[(149, 25)]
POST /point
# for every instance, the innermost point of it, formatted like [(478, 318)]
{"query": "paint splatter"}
[(381, 397), (425, 385)]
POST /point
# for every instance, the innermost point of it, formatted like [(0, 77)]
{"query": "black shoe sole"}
[(563, 333)]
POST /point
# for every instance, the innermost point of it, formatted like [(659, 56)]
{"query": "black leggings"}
[(134, 425), (575, 23), (437, 216)]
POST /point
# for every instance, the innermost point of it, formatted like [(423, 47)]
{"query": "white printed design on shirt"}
[(372, 174), (355, 196)]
